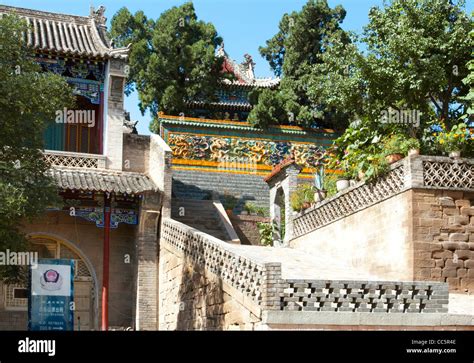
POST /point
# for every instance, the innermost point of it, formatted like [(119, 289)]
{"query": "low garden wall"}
[(414, 223)]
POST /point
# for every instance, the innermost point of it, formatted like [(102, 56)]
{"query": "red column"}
[(105, 268)]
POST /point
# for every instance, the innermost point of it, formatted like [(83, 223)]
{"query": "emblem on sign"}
[(51, 280)]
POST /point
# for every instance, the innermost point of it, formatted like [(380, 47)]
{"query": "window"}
[(16, 297), (82, 134)]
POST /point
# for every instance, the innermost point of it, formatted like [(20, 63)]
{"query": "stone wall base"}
[(191, 298)]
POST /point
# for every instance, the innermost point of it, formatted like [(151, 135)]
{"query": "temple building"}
[(148, 221), (216, 150), (110, 179)]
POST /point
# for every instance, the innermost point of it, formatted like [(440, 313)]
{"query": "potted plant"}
[(411, 147), (302, 197), (229, 203), (454, 141), (320, 193), (343, 181), (393, 148)]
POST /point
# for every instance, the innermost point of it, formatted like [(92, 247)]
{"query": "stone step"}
[(199, 214)]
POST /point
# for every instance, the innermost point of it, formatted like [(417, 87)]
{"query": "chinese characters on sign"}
[(51, 305)]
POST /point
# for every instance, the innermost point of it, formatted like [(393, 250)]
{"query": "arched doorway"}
[(85, 281)]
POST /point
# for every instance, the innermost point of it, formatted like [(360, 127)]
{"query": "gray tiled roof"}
[(237, 105), (67, 34), (102, 180)]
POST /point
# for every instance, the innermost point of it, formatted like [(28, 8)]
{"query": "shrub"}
[(266, 233), (455, 140), (304, 194)]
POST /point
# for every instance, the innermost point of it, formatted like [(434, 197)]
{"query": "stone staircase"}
[(199, 214)]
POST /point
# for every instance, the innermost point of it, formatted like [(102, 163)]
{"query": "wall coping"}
[(364, 319), (224, 219)]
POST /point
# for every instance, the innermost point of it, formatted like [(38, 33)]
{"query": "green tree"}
[(415, 59), (293, 53), (29, 100), (469, 98), (172, 60)]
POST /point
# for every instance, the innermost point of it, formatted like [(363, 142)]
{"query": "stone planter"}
[(456, 154), (412, 152), (393, 158), (342, 184), (319, 196)]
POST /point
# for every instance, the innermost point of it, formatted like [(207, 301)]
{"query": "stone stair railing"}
[(428, 172), (262, 281)]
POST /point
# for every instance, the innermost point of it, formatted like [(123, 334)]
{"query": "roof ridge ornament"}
[(249, 66), (98, 15), (221, 51)]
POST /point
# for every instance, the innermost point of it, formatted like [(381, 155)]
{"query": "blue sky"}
[(244, 24)]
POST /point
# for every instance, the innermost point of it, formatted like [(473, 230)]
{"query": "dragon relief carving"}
[(216, 149)]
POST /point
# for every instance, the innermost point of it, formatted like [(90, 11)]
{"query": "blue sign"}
[(51, 302)]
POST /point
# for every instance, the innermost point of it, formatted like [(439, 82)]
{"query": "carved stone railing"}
[(412, 172), (442, 173), (363, 296), (262, 281), (246, 276), (74, 160), (351, 200)]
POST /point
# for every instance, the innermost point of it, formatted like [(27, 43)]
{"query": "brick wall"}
[(443, 233), (191, 298), (190, 184), (136, 150), (246, 227), (13, 320)]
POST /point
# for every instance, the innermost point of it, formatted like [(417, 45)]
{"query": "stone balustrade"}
[(262, 281), (427, 172), (365, 296), (74, 160), (217, 257)]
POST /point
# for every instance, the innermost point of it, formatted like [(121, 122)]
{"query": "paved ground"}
[(300, 265), (461, 304)]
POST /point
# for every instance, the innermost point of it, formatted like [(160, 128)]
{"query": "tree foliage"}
[(416, 58), (29, 100), (172, 59), (293, 53)]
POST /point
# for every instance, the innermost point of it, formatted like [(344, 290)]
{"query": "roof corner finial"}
[(98, 15), (249, 65), (221, 50), (91, 9)]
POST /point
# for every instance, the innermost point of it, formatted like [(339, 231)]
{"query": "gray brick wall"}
[(13, 320), (190, 184)]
